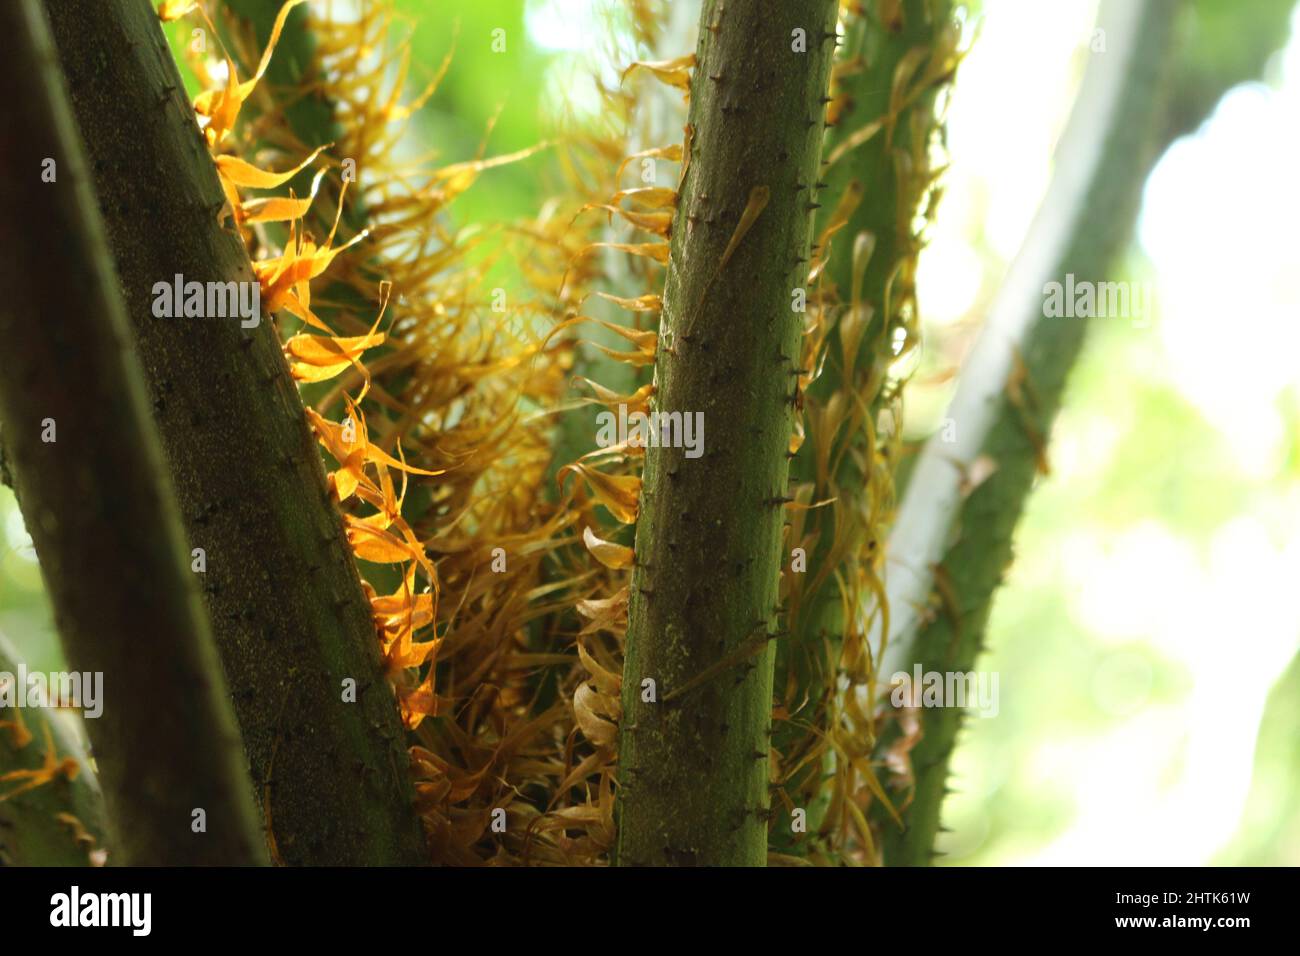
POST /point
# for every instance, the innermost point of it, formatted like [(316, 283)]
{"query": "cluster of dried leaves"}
[(498, 577)]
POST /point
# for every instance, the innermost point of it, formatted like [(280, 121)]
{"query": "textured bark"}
[(288, 612), (694, 764), (96, 498), (1083, 226), (37, 827)]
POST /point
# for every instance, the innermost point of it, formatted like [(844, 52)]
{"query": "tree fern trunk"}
[(693, 763), (290, 618), (61, 822), (1084, 223), (89, 477)]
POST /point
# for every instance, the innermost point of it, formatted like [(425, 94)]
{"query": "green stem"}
[(291, 620), (39, 827), (892, 170), (693, 764), (90, 480), (1081, 229)]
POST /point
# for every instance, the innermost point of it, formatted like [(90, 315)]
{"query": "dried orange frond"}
[(50, 770), (221, 107), (672, 153), (460, 176), (18, 732), (234, 170), (318, 357), (642, 303), (621, 494), (170, 10), (648, 197), (638, 401), (611, 555), (676, 72)]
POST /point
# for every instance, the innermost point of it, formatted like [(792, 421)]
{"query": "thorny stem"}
[(290, 617), (91, 483), (1003, 410), (39, 827), (694, 770), (893, 174)]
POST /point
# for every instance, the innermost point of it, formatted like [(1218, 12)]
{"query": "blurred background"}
[(1148, 634)]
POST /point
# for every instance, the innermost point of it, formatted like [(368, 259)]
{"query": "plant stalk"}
[(693, 762), (290, 617), (89, 477)]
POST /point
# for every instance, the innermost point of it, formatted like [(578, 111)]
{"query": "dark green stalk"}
[(290, 618), (89, 476), (1216, 49), (1004, 412), (693, 763), (39, 827)]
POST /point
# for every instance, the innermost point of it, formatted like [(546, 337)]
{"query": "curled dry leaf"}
[(611, 555)]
